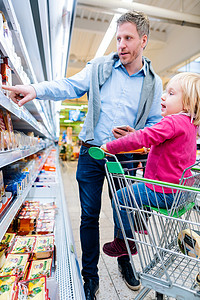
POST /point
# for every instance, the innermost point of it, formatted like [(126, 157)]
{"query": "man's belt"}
[(88, 145)]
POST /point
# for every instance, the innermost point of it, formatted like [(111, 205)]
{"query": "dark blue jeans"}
[(90, 176)]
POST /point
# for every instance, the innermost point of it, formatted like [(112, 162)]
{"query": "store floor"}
[(112, 286)]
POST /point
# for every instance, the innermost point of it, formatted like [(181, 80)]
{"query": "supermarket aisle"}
[(112, 287)]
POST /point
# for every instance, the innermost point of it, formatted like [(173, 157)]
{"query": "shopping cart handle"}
[(96, 153)]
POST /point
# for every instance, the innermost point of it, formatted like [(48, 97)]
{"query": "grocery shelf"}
[(6, 52), (67, 272), (8, 157), (19, 44), (6, 220), (70, 285), (23, 114)]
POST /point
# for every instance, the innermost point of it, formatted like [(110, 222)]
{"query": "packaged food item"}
[(15, 264), (44, 247), (5, 245), (8, 287), (46, 214), (31, 205), (2, 255), (3, 133), (9, 127), (40, 267), (6, 72), (8, 239), (6, 130), (34, 289), (45, 226), (5, 200), (27, 220), (49, 167), (2, 189), (23, 244)]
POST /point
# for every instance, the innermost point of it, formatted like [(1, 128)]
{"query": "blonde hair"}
[(190, 86)]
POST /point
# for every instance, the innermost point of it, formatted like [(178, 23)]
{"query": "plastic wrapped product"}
[(8, 287), (44, 247), (40, 267), (34, 289), (15, 264), (23, 244)]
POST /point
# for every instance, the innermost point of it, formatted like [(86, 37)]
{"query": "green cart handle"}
[(96, 153)]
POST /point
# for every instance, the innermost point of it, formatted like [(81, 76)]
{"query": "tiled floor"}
[(112, 287)]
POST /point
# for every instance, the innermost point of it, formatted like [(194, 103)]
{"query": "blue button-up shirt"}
[(120, 96)]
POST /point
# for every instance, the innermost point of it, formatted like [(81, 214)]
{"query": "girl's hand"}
[(104, 148), (146, 150)]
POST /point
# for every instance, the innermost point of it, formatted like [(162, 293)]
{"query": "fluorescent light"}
[(68, 121), (107, 37), (74, 107), (129, 1), (61, 116)]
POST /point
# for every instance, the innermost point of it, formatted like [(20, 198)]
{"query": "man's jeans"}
[(142, 193), (90, 176)]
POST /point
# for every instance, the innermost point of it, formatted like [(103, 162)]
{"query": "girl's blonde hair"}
[(190, 85)]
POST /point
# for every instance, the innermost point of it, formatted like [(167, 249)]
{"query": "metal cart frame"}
[(166, 264)]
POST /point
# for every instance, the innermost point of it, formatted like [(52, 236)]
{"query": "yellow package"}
[(15, 264), (34, 289), (39, 268), (8, 239), (23, 244), (44, 246), (7, 287)]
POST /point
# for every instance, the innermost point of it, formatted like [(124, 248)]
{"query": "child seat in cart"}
[(167, 239)]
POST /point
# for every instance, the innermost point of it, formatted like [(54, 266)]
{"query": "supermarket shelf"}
[(67, 272), (8, 157), (18, 77), (23, 114), (11, 212), (20, 44), (6, 52), (70, 285)]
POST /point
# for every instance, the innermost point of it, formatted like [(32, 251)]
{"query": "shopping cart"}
[(167, 240)]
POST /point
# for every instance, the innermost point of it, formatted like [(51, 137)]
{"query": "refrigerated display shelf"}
[(6, 52), (67, 271), (70, 285), (7, 218), (9, 157), (23, 114), (16, 32)]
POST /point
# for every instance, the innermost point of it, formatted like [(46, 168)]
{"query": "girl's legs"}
[(143, 196)]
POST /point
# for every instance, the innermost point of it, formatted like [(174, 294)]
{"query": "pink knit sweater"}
[(173, 148)]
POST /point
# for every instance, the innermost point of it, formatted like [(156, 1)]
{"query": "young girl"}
[(173, 149)]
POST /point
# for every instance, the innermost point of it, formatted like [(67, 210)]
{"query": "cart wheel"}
[(159, 296), (96, 153)]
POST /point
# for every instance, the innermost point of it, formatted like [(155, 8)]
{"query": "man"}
[(122, 89)]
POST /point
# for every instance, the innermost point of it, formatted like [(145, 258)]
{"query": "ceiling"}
[(174, 32)]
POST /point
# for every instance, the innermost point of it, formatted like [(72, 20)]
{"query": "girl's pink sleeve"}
[(146, 137)]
